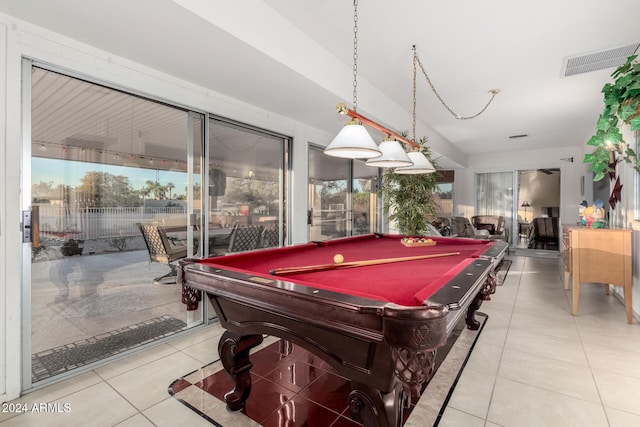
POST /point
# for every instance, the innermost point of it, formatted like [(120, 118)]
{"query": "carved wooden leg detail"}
[(413, 368), (234, 355), (376, 409), (413, 345), (489, 286)]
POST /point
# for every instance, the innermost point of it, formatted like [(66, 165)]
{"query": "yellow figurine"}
[(594, 215)]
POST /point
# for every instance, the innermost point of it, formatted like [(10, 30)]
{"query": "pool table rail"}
[(358, 317)]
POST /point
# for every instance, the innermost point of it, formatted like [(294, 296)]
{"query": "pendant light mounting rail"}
[(342, 109)]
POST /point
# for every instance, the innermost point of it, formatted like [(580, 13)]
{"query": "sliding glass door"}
[(248, 171), (104, 165), (494, 196), (343, 197), (329, 203), (365, 184)]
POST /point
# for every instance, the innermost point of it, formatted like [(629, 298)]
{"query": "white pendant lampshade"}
[(393, 155), (420, 164), (353, 142)]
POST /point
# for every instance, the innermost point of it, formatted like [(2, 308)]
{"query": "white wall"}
[(19, 39), (10, 274), (3, 216)]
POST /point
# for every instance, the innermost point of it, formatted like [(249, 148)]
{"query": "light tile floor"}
[(534, 365), (537, 365)]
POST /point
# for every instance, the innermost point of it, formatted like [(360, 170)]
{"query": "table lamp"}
[(525, 205)]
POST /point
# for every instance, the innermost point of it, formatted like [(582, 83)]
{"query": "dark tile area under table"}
[(290, 386)]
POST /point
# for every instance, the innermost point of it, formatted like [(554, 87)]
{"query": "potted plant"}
[(410, 199), (72, 247), (620, 104)]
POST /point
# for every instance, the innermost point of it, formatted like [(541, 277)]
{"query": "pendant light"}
[(420, 164), (393, 155), (353, 141)]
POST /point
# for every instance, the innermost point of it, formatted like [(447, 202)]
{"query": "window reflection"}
[(365, 198), (342, 196), (328, 195), (246, 188)]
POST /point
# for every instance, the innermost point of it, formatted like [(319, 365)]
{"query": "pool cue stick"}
[(352, 264)]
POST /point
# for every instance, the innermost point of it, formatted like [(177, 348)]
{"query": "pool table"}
[(378, 325)]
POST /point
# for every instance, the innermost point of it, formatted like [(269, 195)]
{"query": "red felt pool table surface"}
[(407, 283)]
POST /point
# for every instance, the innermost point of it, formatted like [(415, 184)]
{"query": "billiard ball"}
[(338, 258)]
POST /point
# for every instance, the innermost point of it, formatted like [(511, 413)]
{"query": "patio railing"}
[(100, 223)]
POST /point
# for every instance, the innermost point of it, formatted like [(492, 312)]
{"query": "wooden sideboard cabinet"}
[(598, 255)]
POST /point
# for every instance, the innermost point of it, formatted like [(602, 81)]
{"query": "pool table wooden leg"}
[(376, 409), (472, 323), (234, 355), (488, 288)]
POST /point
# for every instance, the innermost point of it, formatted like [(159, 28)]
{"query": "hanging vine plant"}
[(621, 104), (410, 200)]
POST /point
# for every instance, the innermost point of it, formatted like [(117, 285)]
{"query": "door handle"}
[(31, 226), (35, 226)]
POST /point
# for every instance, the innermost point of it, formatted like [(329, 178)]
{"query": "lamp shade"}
[(393, 155), (420, 164), (353, 142), (525, 204)]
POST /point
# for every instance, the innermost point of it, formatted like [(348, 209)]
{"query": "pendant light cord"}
[(355, 55), (416, 60)]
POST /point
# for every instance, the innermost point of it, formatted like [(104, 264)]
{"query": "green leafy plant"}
[(620, 104), (119, 243), (410, 199)]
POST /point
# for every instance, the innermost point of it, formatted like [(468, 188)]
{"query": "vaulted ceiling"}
[(295, 58)]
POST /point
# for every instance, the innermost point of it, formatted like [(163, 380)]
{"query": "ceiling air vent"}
[(600, 60)]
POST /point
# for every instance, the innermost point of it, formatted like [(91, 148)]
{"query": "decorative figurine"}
[(594, 215), (581, 209)]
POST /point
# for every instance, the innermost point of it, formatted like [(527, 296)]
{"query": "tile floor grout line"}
[(504, 343)]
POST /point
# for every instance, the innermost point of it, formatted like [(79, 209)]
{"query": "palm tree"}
[(170, 186), (144, 192), (155, 188)]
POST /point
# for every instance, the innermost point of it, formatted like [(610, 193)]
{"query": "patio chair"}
[(245, 238), (163, 250), (220, 245), (270, 238)]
